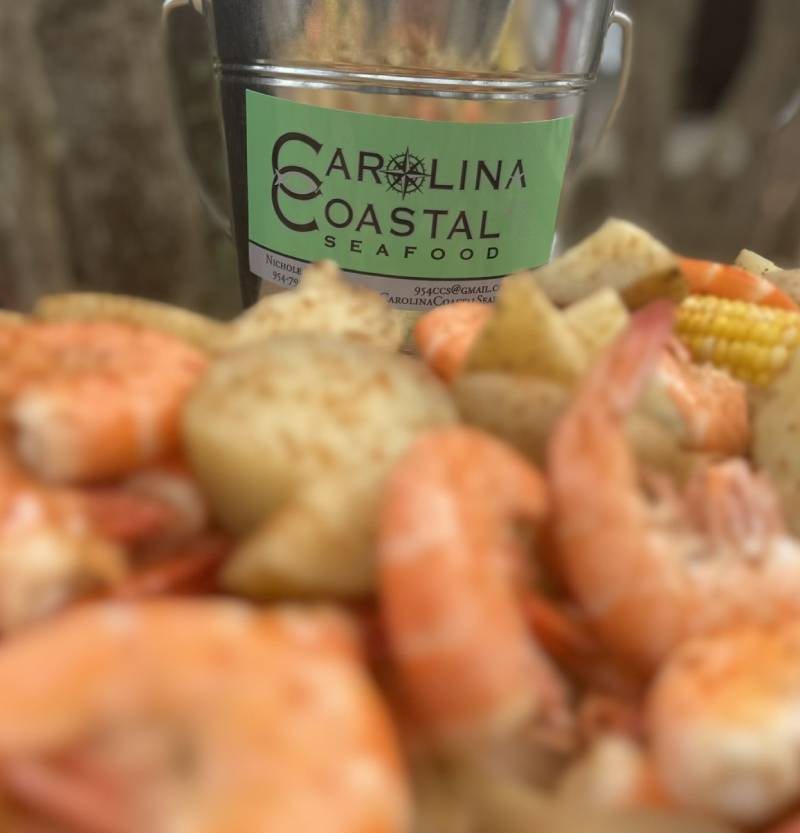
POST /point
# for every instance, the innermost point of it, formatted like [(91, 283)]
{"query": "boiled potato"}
[(200, 331), (754, 263), (786, 279), (616, 256), (292, 437), (316, 544), (439, 807), (776, 439), (408, 320), (660, 449), (606, 774), (324, 302), (506, 806), (527, 335), (598, 319), (521, 410)]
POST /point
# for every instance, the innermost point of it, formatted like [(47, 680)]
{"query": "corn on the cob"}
[(750, 341)]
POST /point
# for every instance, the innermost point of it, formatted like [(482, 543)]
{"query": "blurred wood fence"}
[(95, 192), (708, 183)]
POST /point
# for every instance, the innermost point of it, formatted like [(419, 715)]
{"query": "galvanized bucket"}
[(420, 143)]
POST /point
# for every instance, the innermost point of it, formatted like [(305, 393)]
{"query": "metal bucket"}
[(422, 144)]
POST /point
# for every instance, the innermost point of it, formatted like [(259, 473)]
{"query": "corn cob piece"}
[(750, 341)]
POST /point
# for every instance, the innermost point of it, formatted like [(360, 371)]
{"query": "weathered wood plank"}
[(132, 214), (34, 255)]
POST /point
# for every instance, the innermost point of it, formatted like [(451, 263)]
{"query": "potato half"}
[(324, 302), (527, 335), (786, 279), (755, 263), (291, 439), (617, 256), (598, 319), (521, 410)]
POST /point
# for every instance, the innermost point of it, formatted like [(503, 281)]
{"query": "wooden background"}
[(95, 192)]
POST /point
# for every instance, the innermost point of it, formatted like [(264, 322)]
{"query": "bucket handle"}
[(626, 28), (616, 18), (216, 210)]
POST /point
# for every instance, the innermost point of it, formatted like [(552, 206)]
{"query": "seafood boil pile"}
[(527, 567)]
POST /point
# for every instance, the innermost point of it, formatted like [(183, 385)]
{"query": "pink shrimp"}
[(449, 567), (707, 278), (87, 401), (706, 406), (123, 516), (712, 411), (722, 722), (650, 570), (445, 336), (576, 650), (200, 716), (60, 544), (50, 553), (170, 485), (192, 567)]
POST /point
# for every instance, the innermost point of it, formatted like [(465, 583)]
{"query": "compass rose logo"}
[(405, 173)]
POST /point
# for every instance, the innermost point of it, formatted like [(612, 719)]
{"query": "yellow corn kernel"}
[(752, 342)]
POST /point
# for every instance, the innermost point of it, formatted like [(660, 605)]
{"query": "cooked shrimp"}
[(87, 401), (449, 560), (43, 567), (445, 336), (125, 516), (707, 278), (711, 404), (650, 570), (723, 721), (173, 487), (58, 544), (50, 553), (190, 568), (203, 717), (705, 405), (576, 650)]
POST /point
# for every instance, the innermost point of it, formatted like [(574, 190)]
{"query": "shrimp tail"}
[(125, 517), (630, 361)]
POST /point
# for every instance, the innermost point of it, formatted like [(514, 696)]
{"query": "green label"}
[(412, 208)]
